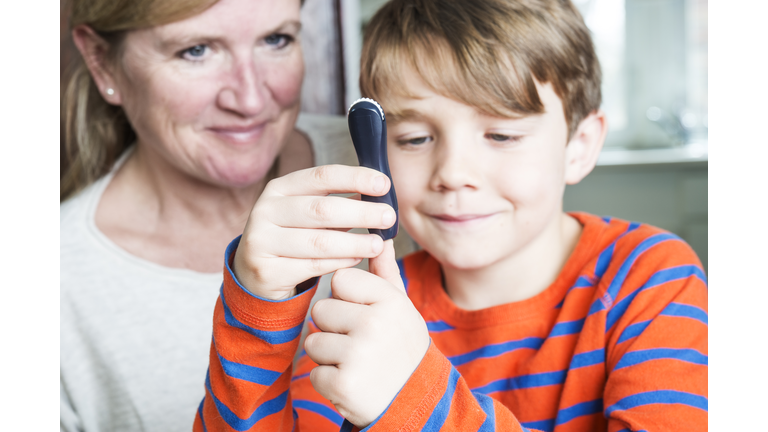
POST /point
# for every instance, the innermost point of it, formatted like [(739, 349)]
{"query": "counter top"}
[(696, 152)]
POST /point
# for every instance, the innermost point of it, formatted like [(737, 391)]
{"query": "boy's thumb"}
[(385, 265)]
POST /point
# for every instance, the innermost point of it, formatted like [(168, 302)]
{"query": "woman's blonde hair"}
[(94, 133)]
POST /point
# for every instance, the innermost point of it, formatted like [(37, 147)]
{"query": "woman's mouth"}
[(239, 134)]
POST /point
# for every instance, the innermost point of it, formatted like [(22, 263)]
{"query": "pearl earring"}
[(110, 91)]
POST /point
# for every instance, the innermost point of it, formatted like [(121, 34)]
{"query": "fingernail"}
[(377, 245), (380, 184), (388, 218)]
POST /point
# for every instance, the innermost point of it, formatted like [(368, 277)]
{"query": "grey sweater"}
[(135, 336)]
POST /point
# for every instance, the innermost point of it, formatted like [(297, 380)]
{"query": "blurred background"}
[(653, 55)]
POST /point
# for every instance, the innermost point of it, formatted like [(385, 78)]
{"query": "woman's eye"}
[(415, 141), (195, 53), (278, 40)]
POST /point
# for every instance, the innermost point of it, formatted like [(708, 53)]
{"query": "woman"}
[(178, 117)]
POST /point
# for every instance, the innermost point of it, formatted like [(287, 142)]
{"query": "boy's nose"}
[(244, 91), (456, 168)]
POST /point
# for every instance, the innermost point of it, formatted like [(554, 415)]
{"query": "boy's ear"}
[(94, 50), (584, 147)]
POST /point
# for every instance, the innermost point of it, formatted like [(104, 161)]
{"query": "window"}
[(654, 59)]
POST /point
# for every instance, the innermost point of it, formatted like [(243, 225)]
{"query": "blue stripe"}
[(604, 260), (607, 219), (629, 262), (252, 374), (685, 311), (438, 326), (270, 337), (401, 266), (265, 409), (596, 307), (542, 425), (319, 408), (567, 328), (658, 278), (297, 377), (496, 350), (486, 403), (579, 410), (440, 413), (588, 358), (683, 354), (633, 330), (607, 254), (659, 397), (581, 282), (524, 381), (200, 413)]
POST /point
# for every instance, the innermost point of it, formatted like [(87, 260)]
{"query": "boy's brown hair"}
[(485, 53)]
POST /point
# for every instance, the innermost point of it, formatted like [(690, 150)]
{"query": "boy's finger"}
[(359, 286), (318, 267), (282, 274), (324, 379), (324, 244), (330, 179), (385, 265), (337, 316), (327, 348), (329, 212)]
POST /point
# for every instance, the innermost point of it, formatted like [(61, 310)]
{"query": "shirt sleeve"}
[(656, 348), (436, 397), (251, 356)]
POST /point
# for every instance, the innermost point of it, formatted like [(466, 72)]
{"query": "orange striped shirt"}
[(617, 343)]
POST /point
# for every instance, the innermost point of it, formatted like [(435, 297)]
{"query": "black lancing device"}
[(368, 129)]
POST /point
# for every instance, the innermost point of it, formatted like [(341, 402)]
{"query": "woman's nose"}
[(244, 92), (456, 167)]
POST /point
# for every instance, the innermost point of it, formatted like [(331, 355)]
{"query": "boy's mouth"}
[(462, 219)]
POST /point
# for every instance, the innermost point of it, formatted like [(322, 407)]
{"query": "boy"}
[(517, 315)]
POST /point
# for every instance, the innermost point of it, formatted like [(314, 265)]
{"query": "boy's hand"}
[(296, 231), (373, 339)]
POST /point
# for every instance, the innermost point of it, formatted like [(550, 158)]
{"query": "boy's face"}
[(472, 189)]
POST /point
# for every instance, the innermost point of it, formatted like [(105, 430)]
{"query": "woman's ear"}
[(94, 50), (584, 147)]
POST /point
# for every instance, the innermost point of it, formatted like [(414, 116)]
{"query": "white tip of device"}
[(381, 111)]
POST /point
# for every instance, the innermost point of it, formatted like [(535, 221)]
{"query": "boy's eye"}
[(501, 138), (195, 53), (415, 141), (278, 40)]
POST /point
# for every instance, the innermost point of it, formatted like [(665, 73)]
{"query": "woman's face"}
[(216, 95)]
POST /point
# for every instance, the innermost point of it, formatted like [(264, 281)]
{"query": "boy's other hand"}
[(296, 231), (372, 339)]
